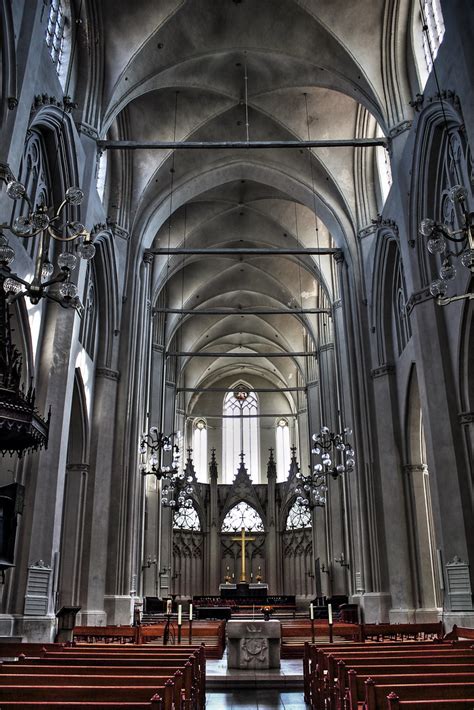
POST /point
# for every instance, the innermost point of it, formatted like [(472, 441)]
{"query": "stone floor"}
[(246, 699), (288, 678)]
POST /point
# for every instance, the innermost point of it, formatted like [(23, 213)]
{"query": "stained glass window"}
[(55, 32), (241, 431), (432, 39), (282, 449), (186, 519), (241, 516), (298, 517), (200, 449)]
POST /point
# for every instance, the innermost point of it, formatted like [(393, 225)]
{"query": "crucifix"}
[(243, 539)]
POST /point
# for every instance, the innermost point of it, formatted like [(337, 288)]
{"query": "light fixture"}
[(40, 221), (154, 446), (439, 237), (335, 457), (22, 428)]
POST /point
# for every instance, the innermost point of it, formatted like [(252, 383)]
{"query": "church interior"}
[(237, 334)]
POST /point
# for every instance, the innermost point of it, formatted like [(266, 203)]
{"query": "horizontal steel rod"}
[(254, 389), (242, 311), (270, 251), (237, 145), (237, 416), (203, 353)]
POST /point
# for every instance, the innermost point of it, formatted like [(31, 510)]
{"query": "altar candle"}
[(190, 612), (180, 611), (311, 611), (330, 613), (168, 606)]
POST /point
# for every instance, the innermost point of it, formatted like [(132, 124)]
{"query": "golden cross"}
[(242, 539)]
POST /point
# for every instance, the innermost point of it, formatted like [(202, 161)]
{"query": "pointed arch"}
[(240, 430)]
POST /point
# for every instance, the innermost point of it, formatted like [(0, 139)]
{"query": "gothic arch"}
[(438, 123), (8, 93)]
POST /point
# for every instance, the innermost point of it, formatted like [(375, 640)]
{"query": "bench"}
[(326, 668), (357, 682), (377, 696), (160, 678), (381, 632), (294, 635)]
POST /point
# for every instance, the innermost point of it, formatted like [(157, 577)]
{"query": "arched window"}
[(200, 449), (186, 518), (102, 174), (282, 449), (384, 169), (298, 518), (89, 322), (241, 516), (241, 432), (58, 34), (433, 36)]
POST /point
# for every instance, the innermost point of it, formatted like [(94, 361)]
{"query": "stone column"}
[(214, 546), (72, 538), (271, 561), (95, 554), (40, 530)]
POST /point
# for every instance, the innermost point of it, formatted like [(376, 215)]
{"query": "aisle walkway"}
[(255, 700), (288, 678)]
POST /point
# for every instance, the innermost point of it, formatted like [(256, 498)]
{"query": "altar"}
[(253, 644)]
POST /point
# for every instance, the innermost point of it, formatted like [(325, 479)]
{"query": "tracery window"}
[(241, 431), (55, 32), (399, 299), (282, 436), (89, 322), (241, 516), (200, 449), (384, 169), (102, 174), (298, 518), (186, 518), (433, 36)]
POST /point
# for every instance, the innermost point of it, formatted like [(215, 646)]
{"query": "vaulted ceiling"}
[(293, 69)]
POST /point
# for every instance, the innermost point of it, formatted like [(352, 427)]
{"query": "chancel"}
[(236, 345)]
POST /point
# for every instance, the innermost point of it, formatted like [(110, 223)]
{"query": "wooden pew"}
[(394, 703), (382, 632), (459, 633), (326, 667), (186, 667), (108, 634), (377, 695), (294, 635), (402, 676), (82, 693)]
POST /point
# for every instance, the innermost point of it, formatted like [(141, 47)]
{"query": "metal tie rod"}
[(273, 251), (238, 145), (254, 389), (242, 311), (201, 353), (238, 416)]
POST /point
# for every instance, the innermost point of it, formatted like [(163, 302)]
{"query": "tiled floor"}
[(255, 700), (290, 670)]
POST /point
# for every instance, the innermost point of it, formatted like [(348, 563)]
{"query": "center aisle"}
[(255, 700)]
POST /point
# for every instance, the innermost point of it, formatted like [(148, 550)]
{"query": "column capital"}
[(383, 370), (415, 468), (107, 373)]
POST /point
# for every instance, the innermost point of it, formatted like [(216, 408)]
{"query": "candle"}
[(311, 611), (180, 611), (168, 606), (190, 612), (330, 613)]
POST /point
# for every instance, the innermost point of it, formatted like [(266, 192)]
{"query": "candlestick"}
[(330, 613), (311, 611), (190, 612), (180, 611), (168, 606)]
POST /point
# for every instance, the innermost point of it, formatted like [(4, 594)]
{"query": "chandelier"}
[(154, 448), (439, 238), (43, 223), (335, 457), (22, 428)]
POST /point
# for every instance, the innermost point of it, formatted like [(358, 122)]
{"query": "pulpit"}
[(253, 644)]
